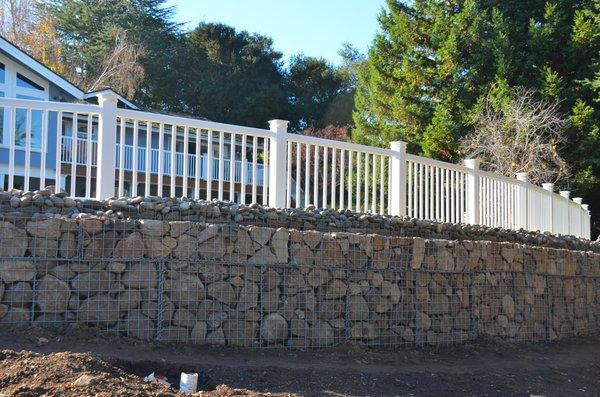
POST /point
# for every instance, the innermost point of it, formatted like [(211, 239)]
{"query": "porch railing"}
[(271, 165), (81, 156)]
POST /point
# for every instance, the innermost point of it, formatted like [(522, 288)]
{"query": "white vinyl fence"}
[(103, 151)]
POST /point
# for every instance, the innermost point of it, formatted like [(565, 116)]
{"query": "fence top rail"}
[(354, 147), (193, 123), (50, 105), (436, 163), (502, 178)]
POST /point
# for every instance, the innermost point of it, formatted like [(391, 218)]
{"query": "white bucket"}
[(188, 383)]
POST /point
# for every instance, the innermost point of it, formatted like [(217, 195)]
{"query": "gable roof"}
[(42, 70)]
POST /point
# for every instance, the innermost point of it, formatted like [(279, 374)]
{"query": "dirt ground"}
[(82, 362)]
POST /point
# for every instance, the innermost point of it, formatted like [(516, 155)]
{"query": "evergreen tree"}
[(420, 65), (319, 93), (87, 30), (228, 76), (429, 69)]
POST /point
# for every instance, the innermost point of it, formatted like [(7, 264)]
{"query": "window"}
[(24, 82), (18, 82), (35, 128)]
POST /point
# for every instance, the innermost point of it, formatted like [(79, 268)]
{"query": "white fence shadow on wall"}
[(253, 165)]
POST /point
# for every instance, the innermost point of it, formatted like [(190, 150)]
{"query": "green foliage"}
[(433, 62), (213, 71), (420, 64), (319, 93), (227, 76), (86, 29)]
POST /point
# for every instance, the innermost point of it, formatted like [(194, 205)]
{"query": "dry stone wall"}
[(258, 286)]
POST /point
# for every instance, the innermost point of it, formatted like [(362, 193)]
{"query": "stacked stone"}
[(44, 203), (240, 285)]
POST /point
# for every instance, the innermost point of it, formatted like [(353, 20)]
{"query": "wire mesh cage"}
[(255, 286)]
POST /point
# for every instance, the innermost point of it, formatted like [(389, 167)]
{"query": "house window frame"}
[(10, 90)]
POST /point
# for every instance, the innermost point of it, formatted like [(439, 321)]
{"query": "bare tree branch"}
[(523, 135), (121, 68)]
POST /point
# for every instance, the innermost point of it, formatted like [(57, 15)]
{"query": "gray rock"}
[(184, 318), (336, 289), (239, 333), (16, 316), (248, 297), (52, 295), (130, 247), (138, 326), (176, 334), (91, 283), (187, 291), (260, 235), (222, 291), (198, 334), (263, 256), (100, 310), (358, 308), (274, 328), (154, 228), (216, 338), (142, 275), (13, 271), (13, 240), (363, 331), (18, 295), (279, 242), (207, 233), (49, 228), (321, 335), (187, 247), (68, 245), (43, 248)]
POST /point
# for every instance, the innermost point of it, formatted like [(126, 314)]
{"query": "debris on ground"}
[(159, 378), (28, 374)]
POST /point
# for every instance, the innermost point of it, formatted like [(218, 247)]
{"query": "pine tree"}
[(434, 62), (420, 66)]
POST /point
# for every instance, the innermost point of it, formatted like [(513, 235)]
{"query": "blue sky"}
[(313, 27)]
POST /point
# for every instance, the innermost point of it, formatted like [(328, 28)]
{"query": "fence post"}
[(550, 187), (277, 163), (398, 179), (587, 232), (107, 140), (579, 201), (522, 201), (472, 191), (566, 194)]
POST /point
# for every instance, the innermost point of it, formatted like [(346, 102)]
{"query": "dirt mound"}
[(25, 374)]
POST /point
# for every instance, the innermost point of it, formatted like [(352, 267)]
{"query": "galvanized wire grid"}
[(255, 286)]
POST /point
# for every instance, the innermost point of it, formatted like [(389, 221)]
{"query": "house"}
[(23, 77)]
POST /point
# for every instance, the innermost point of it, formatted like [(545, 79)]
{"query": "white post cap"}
[(472, 163), (565, 193), (548, 186), (398, 146), (522, 176), (278, 125), (107, 96), (578, 200)]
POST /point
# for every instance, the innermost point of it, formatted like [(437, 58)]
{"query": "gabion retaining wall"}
[(258, 286), (19, 204)]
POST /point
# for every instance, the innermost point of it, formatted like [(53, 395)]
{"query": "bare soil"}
[(81, 362)]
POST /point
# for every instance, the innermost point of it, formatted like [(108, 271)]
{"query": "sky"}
[(312, 27)]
